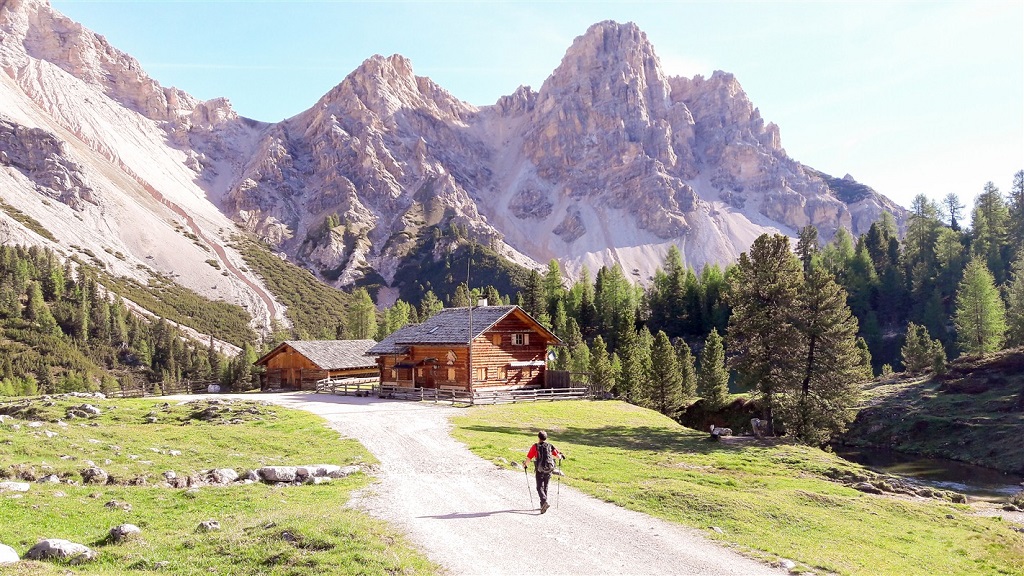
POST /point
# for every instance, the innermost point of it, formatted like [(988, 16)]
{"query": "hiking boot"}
[(544, 507)]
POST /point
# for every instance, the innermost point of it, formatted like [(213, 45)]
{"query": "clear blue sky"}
[(908, 97)]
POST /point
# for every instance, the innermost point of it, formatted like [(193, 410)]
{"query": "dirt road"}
[(475, 518)]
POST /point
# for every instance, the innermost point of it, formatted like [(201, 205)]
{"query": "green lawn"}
[(772, 501), (298, 530)]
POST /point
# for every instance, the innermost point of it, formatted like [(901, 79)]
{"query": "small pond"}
[(974, 481)]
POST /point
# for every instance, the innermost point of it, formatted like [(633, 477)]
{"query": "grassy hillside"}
[(304, 529), (228, 322), (420, 272), (773, 501), (315, 309), (974, 413)]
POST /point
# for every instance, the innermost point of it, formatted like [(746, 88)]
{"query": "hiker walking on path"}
[(544, 455)]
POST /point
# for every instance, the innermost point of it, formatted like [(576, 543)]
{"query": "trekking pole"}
[(558, 493), (528, 491)]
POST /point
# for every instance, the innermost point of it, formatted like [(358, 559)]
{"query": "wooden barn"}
[(508, 351), (298, 364)]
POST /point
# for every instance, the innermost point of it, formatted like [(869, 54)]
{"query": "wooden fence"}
[(373, 387), (163, 389)]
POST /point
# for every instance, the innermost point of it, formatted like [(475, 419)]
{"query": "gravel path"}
[(474, 518)]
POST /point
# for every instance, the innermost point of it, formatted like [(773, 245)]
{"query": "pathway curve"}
[(475, 518)]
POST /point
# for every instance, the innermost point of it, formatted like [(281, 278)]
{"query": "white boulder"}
[(58, 549)]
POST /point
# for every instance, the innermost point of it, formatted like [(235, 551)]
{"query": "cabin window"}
[(503, 373), (520, 339), (394, 374), (481, 373), (451, 373), (496, 339), (420, 372)]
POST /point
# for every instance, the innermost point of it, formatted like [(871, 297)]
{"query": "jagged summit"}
[(609, 162)]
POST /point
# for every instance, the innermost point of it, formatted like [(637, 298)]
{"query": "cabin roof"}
[(452, 326), (329, 354)]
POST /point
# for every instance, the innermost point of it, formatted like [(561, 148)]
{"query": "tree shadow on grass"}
[(623, 437)]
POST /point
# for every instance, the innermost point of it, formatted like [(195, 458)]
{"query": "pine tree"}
[(765, 343), (462, 297), (991, 219), (1016, 209), (601, 377), (980, 315), (37, 312), (666, 382), (712, 375), (807, 246), (822, 405), (954, 210), (1015, 304), (917, 352), (429, 306), (686, 367)]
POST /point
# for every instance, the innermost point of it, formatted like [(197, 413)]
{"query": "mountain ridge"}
[(610, 161)]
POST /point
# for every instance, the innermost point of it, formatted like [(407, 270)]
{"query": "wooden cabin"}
[(298, 364), (508, 351)]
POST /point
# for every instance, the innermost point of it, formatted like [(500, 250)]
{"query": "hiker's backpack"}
[(545, 461)]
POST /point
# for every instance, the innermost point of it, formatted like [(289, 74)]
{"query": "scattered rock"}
[(251, 476), (50, 434), (151, 419), (278, 473), (950, 517), (717, 530), (14, 486), (35, 424), (786, 564), (124, 531), (51, 479), (192, 493), (118, 504), (867, 487), (170, 475), (346, 471), (94, 475), (174, 452), (8, 555), (957, 498), (59, 494), (209, 526), (223, 476), (64, 550)]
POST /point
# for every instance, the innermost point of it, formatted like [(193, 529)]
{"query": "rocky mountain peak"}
[(612, 65), (382, 86), (31, 29)]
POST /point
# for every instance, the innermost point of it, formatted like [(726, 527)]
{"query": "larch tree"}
[(360, 319), (712, 375), (980, 316), (762, 337)]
